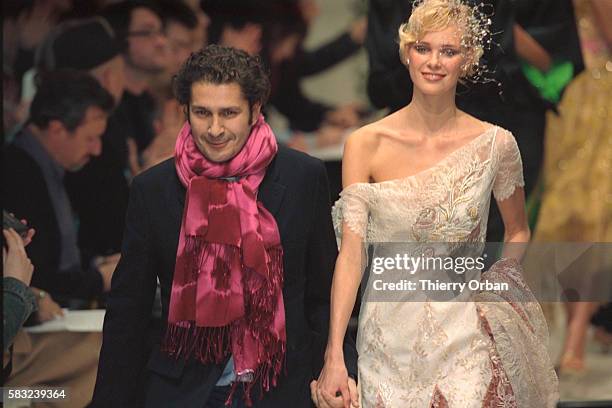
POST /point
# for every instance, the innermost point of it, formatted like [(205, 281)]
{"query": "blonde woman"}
[(425, 174)]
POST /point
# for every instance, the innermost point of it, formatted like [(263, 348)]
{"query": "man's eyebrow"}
[(220, 108)]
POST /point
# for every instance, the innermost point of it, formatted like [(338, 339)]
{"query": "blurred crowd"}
[(88, 104)]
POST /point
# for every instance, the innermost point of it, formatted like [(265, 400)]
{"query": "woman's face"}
[(436, 61)]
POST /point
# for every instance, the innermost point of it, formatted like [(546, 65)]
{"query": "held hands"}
[(334, 389)]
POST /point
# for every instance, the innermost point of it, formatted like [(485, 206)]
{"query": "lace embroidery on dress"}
[(520, 333), (407, 349), (439, 198), (353, 208), (499, 392), (509, 166)]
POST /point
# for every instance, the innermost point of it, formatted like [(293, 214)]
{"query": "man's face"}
[(180, 45), (219, 117), (147, 41), (74, 149)]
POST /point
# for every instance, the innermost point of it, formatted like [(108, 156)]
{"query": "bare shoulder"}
[(360, 142), (360, 151), (473, 125), (368, 138)]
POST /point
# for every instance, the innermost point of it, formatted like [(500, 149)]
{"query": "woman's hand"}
[(333, 380)]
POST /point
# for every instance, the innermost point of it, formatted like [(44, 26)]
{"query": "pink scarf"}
[(227, 287)]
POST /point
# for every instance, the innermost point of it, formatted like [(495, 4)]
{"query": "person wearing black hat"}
[(86, 45), (91, 45)]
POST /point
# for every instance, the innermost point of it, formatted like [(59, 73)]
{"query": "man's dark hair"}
[(119, 16), (178, 12), (65, 95), (223, 65)]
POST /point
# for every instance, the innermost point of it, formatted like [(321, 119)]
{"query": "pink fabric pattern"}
[(227, 287)]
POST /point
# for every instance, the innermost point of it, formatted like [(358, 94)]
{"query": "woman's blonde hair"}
[(436, 15)]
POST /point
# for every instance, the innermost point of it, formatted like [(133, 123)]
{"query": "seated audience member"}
[(18, 301), (236, 23), (168, 119), (67, 118), (138, 26), (103, 183), (179, 22), (200, 34), (24, 26), (290, 62)]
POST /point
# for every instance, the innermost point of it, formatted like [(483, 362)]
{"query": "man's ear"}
[(255, 112)]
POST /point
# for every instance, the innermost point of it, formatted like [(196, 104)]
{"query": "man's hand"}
[(167, 128), (47, 308), (15, 261), (28, 238), (334, 380), (358, 30), (106, 267), (352, 385)]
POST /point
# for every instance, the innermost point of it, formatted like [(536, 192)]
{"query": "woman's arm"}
[(602, 10), (516, 228), (530, 50), (347, 277)]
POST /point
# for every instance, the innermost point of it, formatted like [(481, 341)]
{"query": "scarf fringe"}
[(261, 299), (266, 375), (207, 344), (262, 303)]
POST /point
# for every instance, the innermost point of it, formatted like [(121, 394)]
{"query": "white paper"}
[(74, 321)]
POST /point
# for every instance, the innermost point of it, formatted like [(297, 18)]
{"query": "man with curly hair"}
[(239, 234)]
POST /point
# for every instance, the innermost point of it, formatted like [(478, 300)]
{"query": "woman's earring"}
[(407, 61)]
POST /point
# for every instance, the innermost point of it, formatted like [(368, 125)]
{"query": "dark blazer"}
[(295, 191), (25, 193)]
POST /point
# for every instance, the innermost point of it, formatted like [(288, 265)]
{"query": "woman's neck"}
[(432, 115)]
